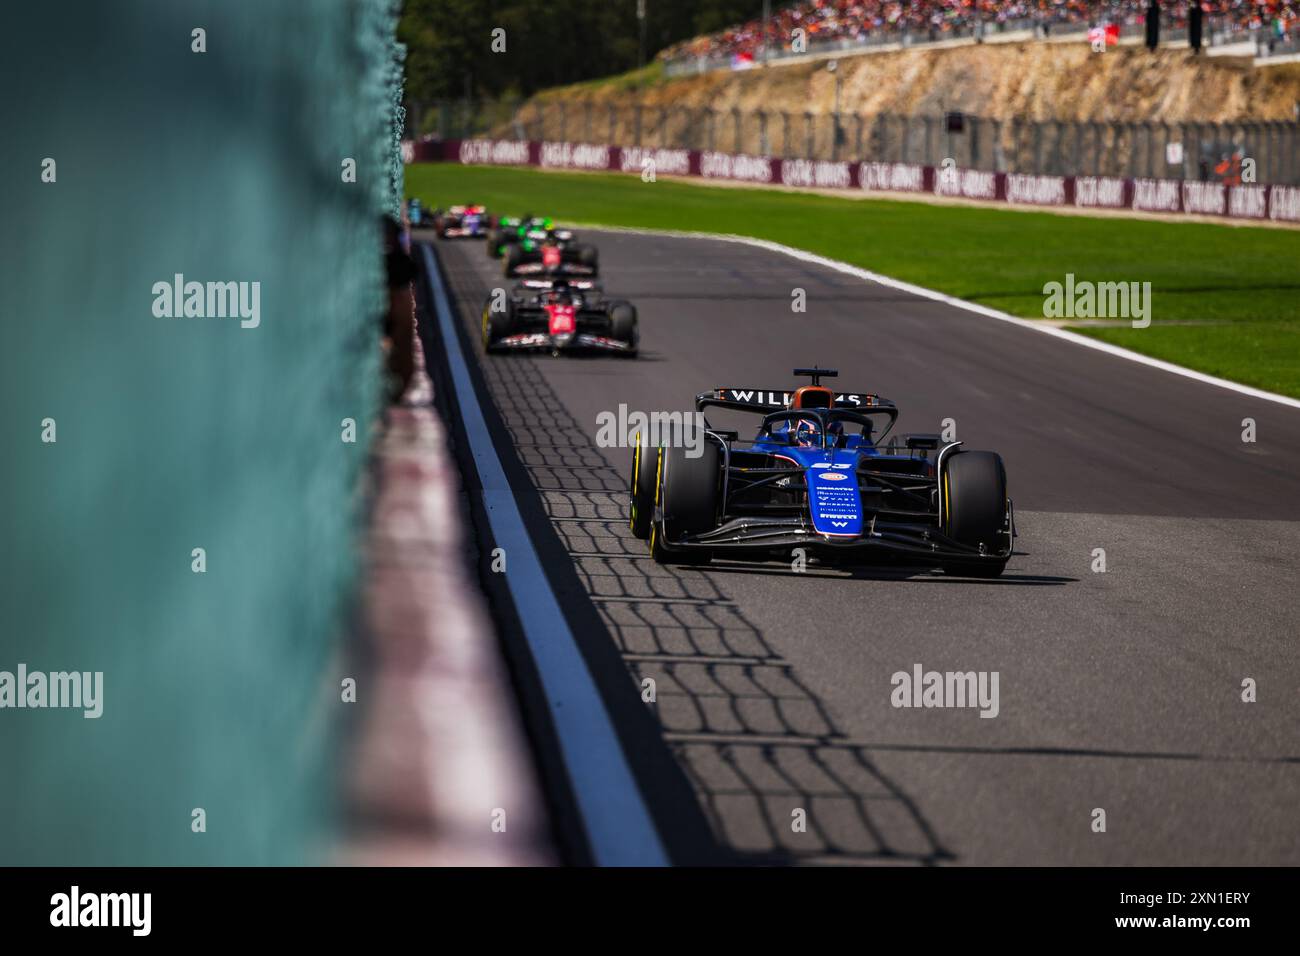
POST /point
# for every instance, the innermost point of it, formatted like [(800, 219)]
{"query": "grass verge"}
[(1225, 299)]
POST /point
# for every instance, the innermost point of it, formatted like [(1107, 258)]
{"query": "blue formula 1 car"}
[(818, 477)]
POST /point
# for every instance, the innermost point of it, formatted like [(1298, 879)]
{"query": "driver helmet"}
[(806, 433)]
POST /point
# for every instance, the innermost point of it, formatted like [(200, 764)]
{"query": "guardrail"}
[(614, 816), (1275, 202)]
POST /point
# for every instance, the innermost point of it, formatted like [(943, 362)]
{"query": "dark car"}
[(551, 252), (509, 230), (559, 315), (817, 476)]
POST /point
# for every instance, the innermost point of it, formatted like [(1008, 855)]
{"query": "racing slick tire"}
[(686, 502), (645, 469), (588, 256), (513, 255), (622, 324), (496, 325), (494, 239), (975, 510)]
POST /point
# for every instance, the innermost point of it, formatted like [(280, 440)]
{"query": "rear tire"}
[(975, 509), (686, 502), (494, 239)]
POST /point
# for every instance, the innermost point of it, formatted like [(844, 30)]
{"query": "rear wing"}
[(766, 400)]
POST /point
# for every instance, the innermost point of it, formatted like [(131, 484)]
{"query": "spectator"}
[(399, 320), (824, 21)]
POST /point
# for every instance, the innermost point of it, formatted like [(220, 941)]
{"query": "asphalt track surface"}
[(1118, 690)]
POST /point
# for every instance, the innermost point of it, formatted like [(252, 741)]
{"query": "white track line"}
[(957, 303), (614, 814)]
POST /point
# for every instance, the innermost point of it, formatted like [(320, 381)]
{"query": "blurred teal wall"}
[(175, 434)]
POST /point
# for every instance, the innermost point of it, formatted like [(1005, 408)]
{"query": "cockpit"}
[(817, 428)]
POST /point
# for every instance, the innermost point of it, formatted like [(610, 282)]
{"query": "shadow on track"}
[(755, 743)]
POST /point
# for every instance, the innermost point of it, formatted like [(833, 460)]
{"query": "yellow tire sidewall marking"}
[(636, 472), (659, 475)]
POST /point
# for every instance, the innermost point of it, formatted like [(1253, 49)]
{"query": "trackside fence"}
[(1150, 150), (1276, 202)]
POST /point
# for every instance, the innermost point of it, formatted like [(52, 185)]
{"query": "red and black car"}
[(559, 315)]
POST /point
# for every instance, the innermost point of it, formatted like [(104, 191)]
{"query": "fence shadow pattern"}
[(759, 747)]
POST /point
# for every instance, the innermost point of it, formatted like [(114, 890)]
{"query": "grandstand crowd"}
[(863, 20)]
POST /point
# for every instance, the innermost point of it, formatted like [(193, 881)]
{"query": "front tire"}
[(975, 509), (645, 470), (496, 325), (686, 502), (622, 323), (513, 256)]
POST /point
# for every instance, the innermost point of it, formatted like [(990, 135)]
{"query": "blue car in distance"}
[(416, 214)]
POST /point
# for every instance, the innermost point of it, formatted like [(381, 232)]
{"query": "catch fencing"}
[(180, 508), (1260, 151), (1275, 202)]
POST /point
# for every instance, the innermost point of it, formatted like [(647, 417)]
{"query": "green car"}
[(510, 230)]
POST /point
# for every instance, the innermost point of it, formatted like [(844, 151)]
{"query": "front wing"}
[(536, 267), (901, 538), (543, 340)]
